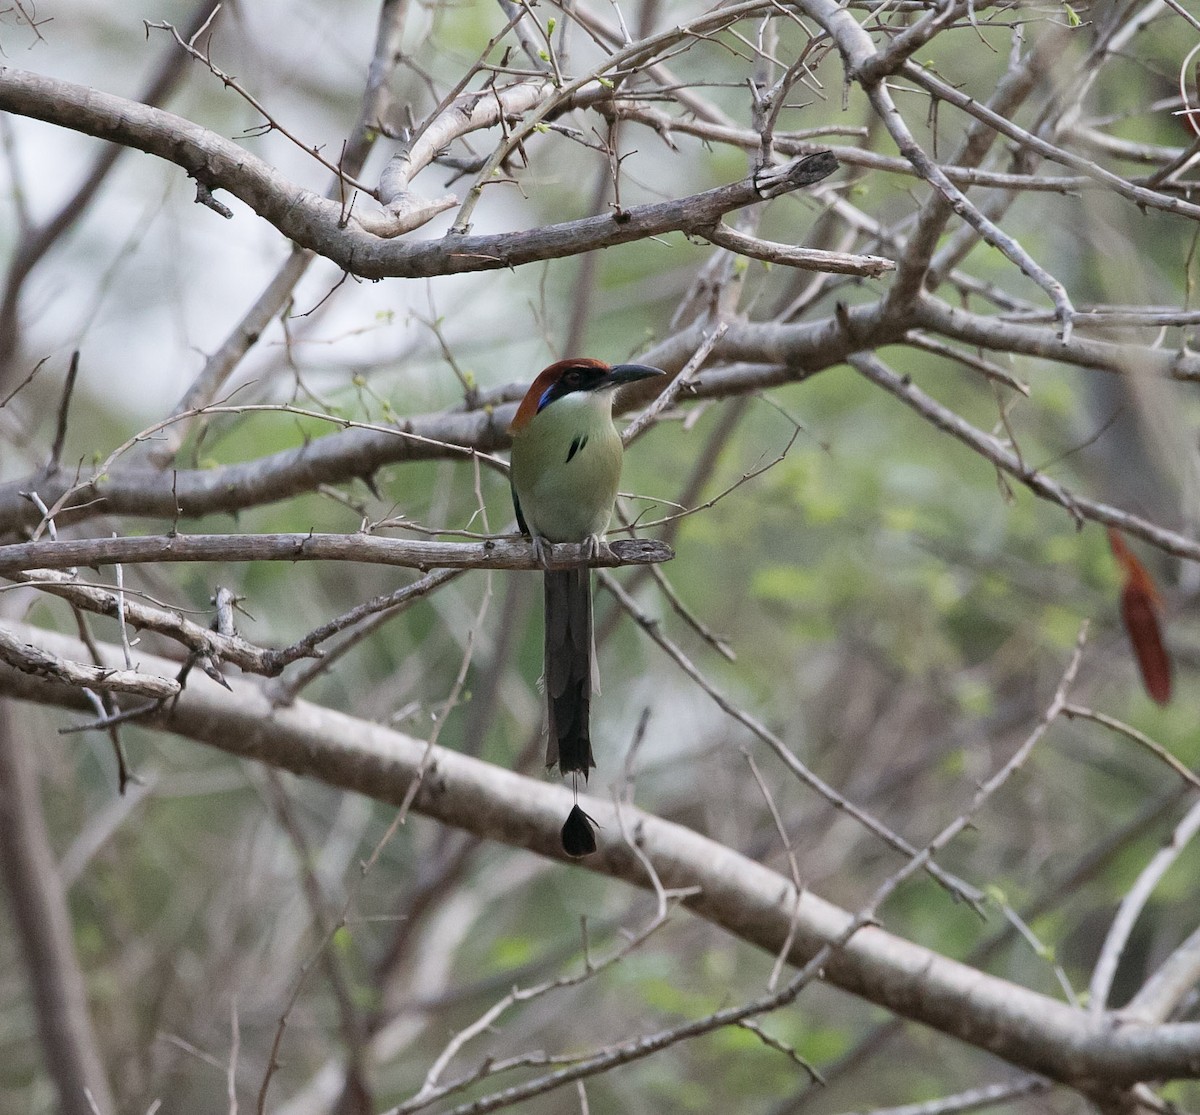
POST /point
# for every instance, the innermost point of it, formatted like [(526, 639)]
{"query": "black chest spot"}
[(577, 444)]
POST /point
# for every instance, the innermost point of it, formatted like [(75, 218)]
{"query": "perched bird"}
[(566, 464)]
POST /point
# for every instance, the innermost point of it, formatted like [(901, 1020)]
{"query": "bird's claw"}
[(593, 545)]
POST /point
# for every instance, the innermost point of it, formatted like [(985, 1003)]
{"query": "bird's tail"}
[(569, 669)]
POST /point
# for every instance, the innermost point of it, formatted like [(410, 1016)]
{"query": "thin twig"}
[(1132, 905), (1140, 738), (957, 887), (786, 949), (168, 622), (671, 392), (235, 1044), (230, 82), (33, 660), (432, 1091), (990, 448), (366, 619), (973, 1099)]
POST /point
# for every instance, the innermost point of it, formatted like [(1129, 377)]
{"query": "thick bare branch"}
[(498, 553), (319, 223), (744, 897)]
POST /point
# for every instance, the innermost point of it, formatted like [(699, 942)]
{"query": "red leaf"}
[(1140, 614)]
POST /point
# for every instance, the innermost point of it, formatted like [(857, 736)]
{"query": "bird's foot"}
[(594, 547)]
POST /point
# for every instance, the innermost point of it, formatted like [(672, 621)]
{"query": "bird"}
[(565, 468)]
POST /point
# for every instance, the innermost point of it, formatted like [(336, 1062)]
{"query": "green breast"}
[(566, 465)]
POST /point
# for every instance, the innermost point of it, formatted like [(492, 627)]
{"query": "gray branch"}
[(319, 223), (33, 660), (497, 553), (804, 259), (202, 641), (747, 899)]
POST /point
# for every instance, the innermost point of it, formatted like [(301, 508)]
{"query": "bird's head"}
[(578, 376)]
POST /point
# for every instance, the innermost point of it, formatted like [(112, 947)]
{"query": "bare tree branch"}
[(199, 640), (318, 223), (752, 901), (34, 660), (498, 553), (772, 354), (805, 259)]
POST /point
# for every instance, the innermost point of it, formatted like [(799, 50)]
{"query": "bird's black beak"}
[(631, 373)]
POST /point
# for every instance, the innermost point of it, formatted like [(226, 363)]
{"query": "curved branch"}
[(319, 223), (804, 259), (749, 900)]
